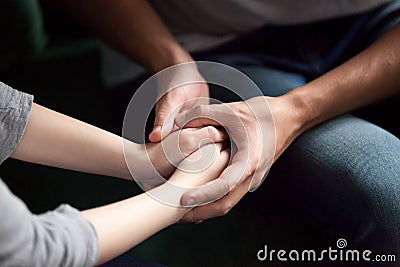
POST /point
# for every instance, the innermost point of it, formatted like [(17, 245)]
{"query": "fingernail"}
[(157, 128), (190, 202), (198, 222), (253, 188)]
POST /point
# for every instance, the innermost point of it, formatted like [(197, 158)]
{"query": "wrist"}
[(137, 160), (300, 108), (155, 152), (170, 194), (169, 55)]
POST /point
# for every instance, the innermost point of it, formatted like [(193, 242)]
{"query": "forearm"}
[(57, 140), (368, 77), (132, 27), (124, 224)]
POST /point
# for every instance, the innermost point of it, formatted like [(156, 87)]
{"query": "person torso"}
[(201, 24)]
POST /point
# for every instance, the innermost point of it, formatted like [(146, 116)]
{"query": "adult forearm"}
[(132, 27), (368, 77), (57, 140)]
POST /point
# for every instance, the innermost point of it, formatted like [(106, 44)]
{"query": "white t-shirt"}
[(202, 24)]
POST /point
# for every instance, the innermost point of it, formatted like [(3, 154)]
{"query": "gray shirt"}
[(62, 237)]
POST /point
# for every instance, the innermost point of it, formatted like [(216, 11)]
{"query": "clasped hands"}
[(255, 131)]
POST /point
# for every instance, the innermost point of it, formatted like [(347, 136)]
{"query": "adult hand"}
[(180, 88), (268, 135)]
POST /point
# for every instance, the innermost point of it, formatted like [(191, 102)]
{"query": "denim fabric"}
[(340, 179)]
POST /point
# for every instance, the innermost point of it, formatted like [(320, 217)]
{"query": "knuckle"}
[(211, 132), (184, 139), (188, 144), (226, 207), (162, 114), (200, 110), (220, 211), (250, 170), (189, 218)]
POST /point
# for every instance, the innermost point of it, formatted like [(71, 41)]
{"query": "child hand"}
[(156, 161), (198, 169), (165, 156)]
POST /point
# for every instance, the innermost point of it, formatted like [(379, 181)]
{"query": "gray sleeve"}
[(62, 237), (15, 107)]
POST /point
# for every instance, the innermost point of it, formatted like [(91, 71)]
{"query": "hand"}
[(155, 161), (217, 158), (192, 172), (178, 94), (242, 174), (168, 154)]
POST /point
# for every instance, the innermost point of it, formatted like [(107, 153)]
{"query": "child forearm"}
[(57, 140), (124, 224), (54, 139)]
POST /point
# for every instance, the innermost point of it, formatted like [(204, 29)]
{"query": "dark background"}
[(43, 52)]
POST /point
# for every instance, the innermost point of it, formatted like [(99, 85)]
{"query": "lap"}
[(338, 180), (342, 177)]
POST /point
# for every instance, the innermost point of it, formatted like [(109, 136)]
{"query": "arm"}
[(135, 29), (132, 27), (368, 77), (124, 224), (66, 237), (54, 139)]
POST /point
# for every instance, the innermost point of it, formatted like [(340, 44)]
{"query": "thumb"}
[(162, 111), (197, 117)]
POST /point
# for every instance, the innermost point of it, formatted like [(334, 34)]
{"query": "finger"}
[(161, 128), (190, 140), (207, 135), (205, 194), (198, 123), (216, 189), (181, 144), (196, 117), (258, 178), (202, 172), (218, 208), (155, 135)]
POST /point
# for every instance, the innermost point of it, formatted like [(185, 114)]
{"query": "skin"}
[(349, 86), (118, 23), (122, 225), (54, 139)]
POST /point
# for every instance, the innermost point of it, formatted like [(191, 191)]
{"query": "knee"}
[(358, 165)]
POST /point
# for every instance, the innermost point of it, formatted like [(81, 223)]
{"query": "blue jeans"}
[(340, 179)]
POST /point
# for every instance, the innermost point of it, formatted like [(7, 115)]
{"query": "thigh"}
[(339, 180), (271, 81)]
